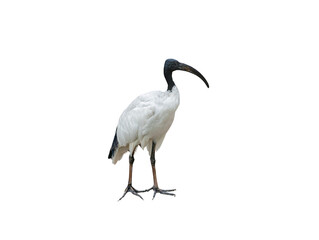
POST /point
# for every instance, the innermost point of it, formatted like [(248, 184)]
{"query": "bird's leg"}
[(129, 187), (155, 187)]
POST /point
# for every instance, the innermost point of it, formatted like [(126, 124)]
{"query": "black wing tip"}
[(111, 153), (114, 146)]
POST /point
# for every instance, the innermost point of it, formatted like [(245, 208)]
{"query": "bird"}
[(145, 123)]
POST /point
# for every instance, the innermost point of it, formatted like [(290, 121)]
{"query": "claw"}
[(131, 189), (166, 192), (161, 191)]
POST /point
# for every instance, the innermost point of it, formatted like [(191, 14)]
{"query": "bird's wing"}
[(134, 117)]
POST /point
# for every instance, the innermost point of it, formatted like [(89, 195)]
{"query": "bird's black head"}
[(172, 65)]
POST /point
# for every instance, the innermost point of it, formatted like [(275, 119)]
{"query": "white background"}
[(242, 154)]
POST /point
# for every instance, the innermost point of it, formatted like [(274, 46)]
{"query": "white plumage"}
[(145, 123), (146, 119)]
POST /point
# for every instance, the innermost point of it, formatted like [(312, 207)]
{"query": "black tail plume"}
[(114, 146)]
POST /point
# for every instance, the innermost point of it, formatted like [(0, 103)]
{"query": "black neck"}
[(169, 80)]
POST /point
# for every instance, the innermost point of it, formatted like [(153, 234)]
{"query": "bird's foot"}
[(161, 191), (131, 189)]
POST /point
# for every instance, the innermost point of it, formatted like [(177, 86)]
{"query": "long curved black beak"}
[(187, 68)]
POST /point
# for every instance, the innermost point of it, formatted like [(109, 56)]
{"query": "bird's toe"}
[(131, 189)]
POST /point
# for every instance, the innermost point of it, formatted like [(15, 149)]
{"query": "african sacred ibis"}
[(145, 123)]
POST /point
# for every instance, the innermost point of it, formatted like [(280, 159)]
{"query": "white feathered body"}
[(146, 120)]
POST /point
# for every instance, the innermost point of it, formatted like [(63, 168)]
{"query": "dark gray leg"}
[(155, 187), (129, 187)]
